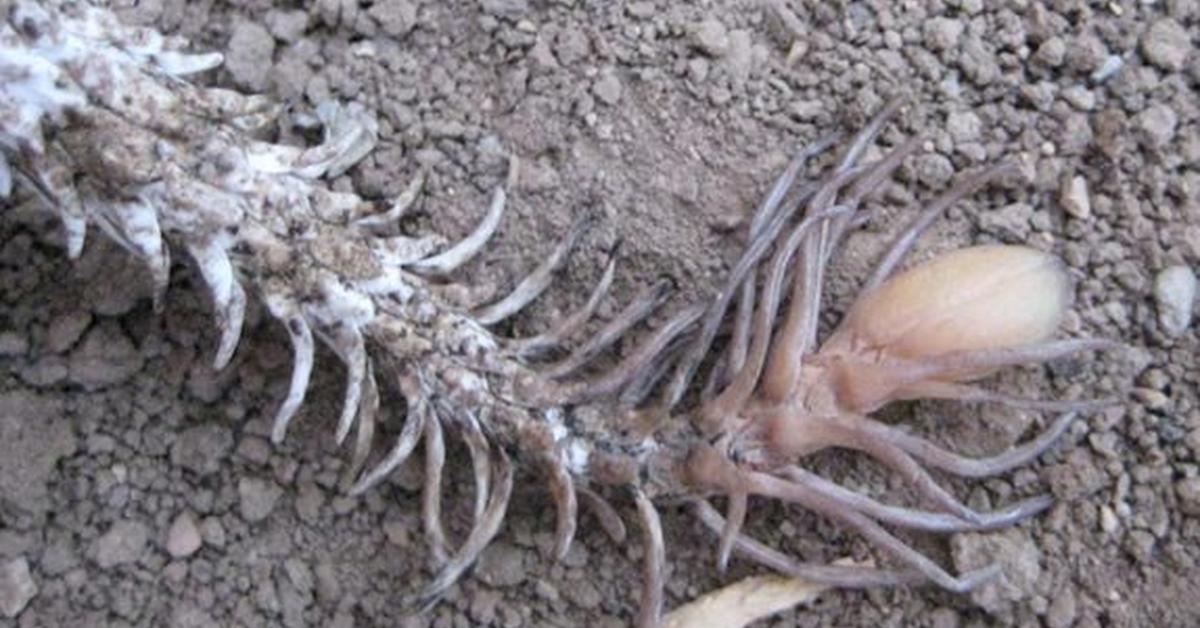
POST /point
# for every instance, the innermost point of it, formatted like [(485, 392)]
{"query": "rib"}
[(907, 238), (917, 519), (572, 323), (134, 226), (641, 307), (650, 610), (732, 528), (461, 253), (836, 433), (431, 494), (950, 462), (479, 537), (846, 577), (868, 133), (562, 489), (741, 276), (743, 384), (406, 442), (641, 361), (793, 340), (302, 362), (532, 286), (770, 486), (477, 447), (368, 409), (642, 382), (229, 300), (351, 347), (399, 208), (605, 514)]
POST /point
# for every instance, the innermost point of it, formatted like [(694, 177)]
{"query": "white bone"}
[(302, 361), (229, 300), (462, 252)]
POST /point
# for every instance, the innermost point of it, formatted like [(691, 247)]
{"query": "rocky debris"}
[(502, 565), (395, 17), (942, 34), (1167, 45), (1062, 610), (66, 329), (1157, 126), (1187, 491), (608, 88), (202, 448), (250, 55), (710, 37), (106, 357), (123, 543), (1017, 554), (13, 344), (183, 539), (1175, 295), (34, 436), (17, 587), (287, 26), (257, 497)]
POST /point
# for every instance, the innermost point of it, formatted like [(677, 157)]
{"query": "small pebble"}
[(183, 539), (1175, 292), (1188, 492), (711, 37), (1074, 198), (17, 587), (122, 544), (1167, 45), (257, 498), (608, 88)]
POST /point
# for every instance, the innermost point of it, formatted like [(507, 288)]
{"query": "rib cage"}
[(99, 125)]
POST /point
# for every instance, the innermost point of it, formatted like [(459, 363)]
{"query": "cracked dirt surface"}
[(138, 487)]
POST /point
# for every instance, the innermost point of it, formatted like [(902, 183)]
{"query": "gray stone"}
[(13, 344), (66, 329), (34, 436), (187, 615), (1175, 294), (942, 34), (608, 88), (183, 539), (1167, 45), (106, 357), (710, 37), (1051, 53), (17, 587), (122, 544), (1019, 559), (1187, 491), (395, 17), (502, 565), (511, 9), (287, 26), (964, 126), (1157, 125), (202, 448), (1061, 613), (257, 497), (250, 55)]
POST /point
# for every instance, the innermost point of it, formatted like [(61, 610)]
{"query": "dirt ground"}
[(138, 487)]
